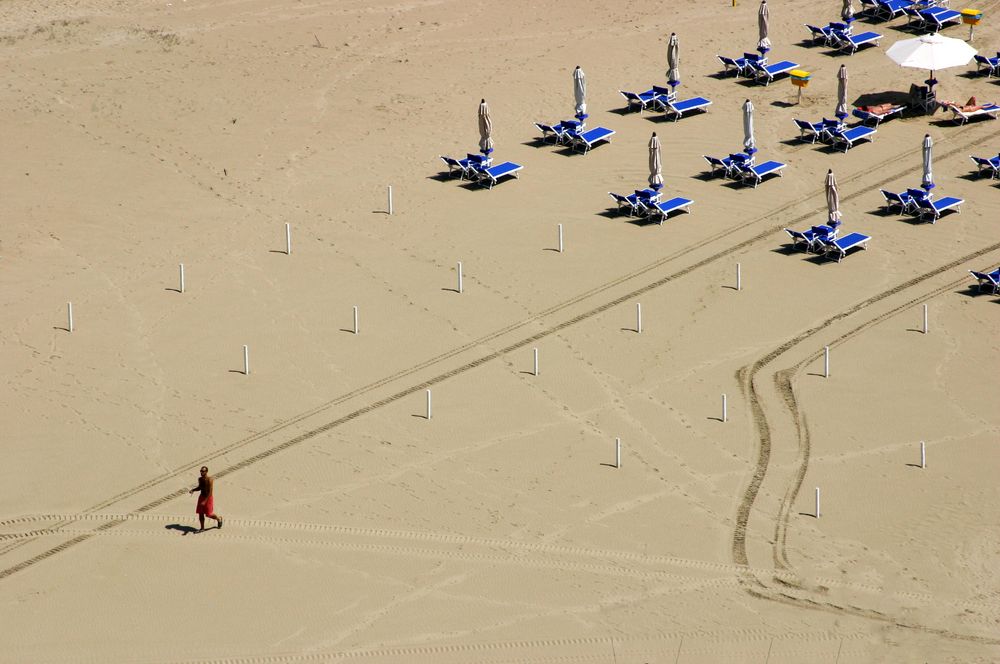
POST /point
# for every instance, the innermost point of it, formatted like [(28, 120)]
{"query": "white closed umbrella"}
[(749, 146), (763, 17), (931, 52), (673, 60), (655, 163), (928, 150), (841, 111), (485, 128), (847, 13), (832, 197), (580, 91)]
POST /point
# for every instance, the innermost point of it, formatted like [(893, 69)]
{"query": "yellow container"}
[(971, 16), (800, 77)]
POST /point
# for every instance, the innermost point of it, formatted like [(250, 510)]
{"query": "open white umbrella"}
[(580, 91), (655, 163), (673, 61), (847, 13), (763, 16), (749, 146), (928, 150), (485, 128), (841, 111), (931, 52), (832, 197)]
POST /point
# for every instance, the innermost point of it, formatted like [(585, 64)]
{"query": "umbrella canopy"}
[(485, 128), (763, 17), (832, 197), (580, 91), (928, 179), (673, 61), (749, 146), (847, 13), (931, 52), (655, 163), (841, 111)]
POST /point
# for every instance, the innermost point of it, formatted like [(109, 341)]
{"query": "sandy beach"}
[(143, 135)]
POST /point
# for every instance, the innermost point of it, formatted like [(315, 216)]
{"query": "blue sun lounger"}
[(644, 99), (992, 65), (961, 117), (989, 164), (489, 177), (838, 248), (587, 139), (679, 108), (769, 72), (811, 131), (851, 136), (903, 200), (459, 165), (865, 116), (735, 64), (852, 43), (812, 239), (819, 34), (934, 18), (988, 280), (730, 165), (470, 167), (935, 208), (676, 204), (890, 9), (557, 132), (756, 174), (636, 203)]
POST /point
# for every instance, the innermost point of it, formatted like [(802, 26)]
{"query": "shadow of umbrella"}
[(886, 97)]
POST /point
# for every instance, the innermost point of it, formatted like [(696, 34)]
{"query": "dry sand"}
[(139, 135)]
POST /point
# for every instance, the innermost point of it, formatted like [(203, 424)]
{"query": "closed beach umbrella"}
[(749, 146), (832, 197), (841, 111), (847, 13), (580, 91), (673, 61), (764, 45), (655, 163), (931, 52), (485, 128), (928, 179)]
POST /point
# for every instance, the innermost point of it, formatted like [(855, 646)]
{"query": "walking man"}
[(206, 503)]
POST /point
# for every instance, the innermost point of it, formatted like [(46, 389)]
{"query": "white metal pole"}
[(638, 317), (817, 502), (560, 238), (356, 328), (826, 361), (925, 319), (390, 199), (739, 277), (288, 239), (182, 277), (923, 455), (618, 452), (536, 361), (69, 316), (428, 404), (246, 361), (460, 276), (725, 413)]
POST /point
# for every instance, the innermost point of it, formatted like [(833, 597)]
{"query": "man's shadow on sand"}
[(183, 529)]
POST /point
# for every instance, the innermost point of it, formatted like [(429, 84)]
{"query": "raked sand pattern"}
[(142, 135)]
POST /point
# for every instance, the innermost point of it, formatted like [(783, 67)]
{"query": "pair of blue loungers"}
[(480, 168), (743, 167), (835, 132), (663, 99), (755, 66), (841, 37), (987, 280), (921, 204), (927, 15), (824, 240), (647, 203), (573, 134)]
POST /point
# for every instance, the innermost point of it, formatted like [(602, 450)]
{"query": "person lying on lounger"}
[(969, 106)]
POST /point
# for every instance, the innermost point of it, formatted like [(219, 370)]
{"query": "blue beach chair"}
[(903, 200), (756, 174), (865, 116), (852, 43), (730, 166), (838, 248), (934, 19), (647, 98), (490, 176), (637, 203), (988, 280), (768, 73), (813, 239), (587, 139), (991, 65), (811, 131), (890, 9), (935, 208), (853, 135), (678, 108), (990, 165), (660, 211)]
